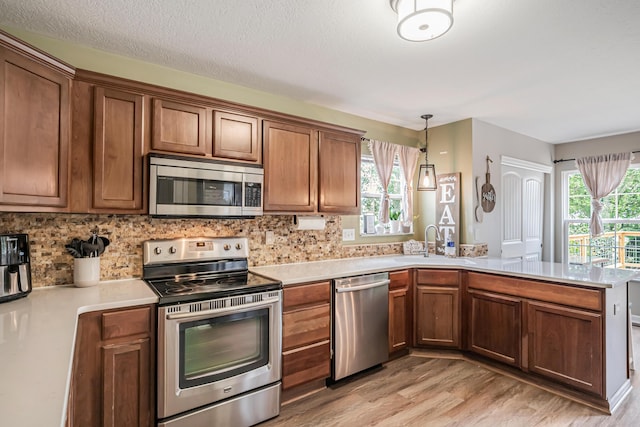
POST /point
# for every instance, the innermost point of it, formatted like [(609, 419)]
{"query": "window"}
[(371, 189), (619, 246)]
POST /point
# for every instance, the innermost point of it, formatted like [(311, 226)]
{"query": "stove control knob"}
[(157, 251), (172, 250), (226, 247), (238, 246)]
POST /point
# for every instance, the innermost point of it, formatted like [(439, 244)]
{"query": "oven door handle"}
[(207, 313)]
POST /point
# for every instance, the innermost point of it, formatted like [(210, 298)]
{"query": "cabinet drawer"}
[(313, 293), (306, 364), (399, 279), (306, 326), (437, 277), (590, 299), (125, 323)]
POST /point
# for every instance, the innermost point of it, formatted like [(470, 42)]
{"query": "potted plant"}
[(394, 219)]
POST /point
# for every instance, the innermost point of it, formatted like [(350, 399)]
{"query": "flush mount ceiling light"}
[(422, 20), (427, 173)]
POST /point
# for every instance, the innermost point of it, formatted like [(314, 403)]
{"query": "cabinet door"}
[(400, 312), (339, 173), (437, 316), (118, 164), (566, 345), (290, 168), (235, 136), (494, 329), (125, 384), (34, 133), (179, 128), (398, 331)]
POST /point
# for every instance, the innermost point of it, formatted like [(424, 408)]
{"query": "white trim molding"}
[(525, 164)]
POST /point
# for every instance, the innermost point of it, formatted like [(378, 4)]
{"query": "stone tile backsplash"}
[(52, 265)]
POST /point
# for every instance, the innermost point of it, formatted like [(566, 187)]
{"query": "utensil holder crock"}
[(86, 271)]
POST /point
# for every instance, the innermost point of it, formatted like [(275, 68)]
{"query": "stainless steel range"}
[(219, 333)]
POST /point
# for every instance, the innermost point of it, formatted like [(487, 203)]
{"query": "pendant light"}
[(427, 173), (422, 20)]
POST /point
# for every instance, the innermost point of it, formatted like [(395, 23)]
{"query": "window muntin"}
[(620, 245), (371, 189)]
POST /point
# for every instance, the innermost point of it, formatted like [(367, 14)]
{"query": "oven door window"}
[(223, 347), (197, 191)]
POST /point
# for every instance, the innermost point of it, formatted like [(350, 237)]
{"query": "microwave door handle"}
[(207, 313)]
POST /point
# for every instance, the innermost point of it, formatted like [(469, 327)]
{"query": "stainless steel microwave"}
[(189, 187)]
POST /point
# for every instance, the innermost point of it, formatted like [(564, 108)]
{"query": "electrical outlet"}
[(269, 238), (348, 234)]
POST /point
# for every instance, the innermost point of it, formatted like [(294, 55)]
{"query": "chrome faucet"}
[(426, 241)]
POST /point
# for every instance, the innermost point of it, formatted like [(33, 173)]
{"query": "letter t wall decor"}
[(448, 210)]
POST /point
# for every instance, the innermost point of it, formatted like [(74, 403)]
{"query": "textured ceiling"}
[(553, 70)]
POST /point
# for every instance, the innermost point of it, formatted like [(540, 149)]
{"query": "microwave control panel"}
[(252, 194)]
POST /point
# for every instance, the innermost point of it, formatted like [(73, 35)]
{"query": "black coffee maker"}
[(15, 266)]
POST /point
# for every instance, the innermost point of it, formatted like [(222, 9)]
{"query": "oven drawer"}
[(305, 364), (306, 326)]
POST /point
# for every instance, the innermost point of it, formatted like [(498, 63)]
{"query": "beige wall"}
[(450, 151), (493, 141)]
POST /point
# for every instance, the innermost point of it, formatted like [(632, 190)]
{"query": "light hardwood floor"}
[(422, 391)]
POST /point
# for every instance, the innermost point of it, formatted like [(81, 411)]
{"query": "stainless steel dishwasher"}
[(360, 323)]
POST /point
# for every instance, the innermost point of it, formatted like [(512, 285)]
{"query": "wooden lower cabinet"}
[(399, 311), (437, 308), (114, 369), (306, 364), (306, 332), (566, 345), (494, 326)]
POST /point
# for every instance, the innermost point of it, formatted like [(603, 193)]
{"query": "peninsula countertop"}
[(37, 339), (574, 274), (38, 332)]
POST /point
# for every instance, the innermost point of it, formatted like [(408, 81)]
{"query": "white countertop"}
[(556, 272), (37, 338), (37, 333)]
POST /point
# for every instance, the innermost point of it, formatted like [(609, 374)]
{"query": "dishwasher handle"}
[(363, 287)]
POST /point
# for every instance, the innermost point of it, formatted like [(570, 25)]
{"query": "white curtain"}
[(383, 154), (408, 161), (601, 175)]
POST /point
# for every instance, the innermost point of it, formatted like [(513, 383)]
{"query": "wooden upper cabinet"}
[(118, 161), (179, 127), (236, 136), (290, 168), (34, 133), (339, 169)]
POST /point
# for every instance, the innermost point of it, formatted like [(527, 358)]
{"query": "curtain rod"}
[(569, 160)]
